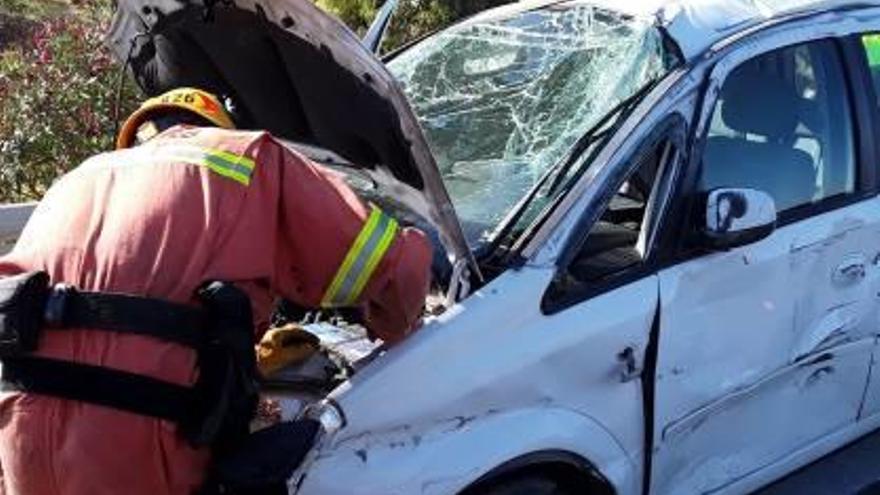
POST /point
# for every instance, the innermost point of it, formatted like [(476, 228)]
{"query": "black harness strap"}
[(127, 314), (102, 386), (215, 411)]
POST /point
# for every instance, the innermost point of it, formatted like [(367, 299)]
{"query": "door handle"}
[(851, 271)]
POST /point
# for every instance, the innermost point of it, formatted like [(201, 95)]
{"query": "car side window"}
[(618, 242), (613, 243), (783, 125)]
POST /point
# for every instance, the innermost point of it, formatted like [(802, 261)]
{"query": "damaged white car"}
[(658, 225)]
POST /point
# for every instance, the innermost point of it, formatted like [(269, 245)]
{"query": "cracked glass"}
[(503, 99)]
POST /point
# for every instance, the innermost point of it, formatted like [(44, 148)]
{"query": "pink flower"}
[(45, 56)]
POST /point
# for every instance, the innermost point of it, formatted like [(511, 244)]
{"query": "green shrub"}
[(58, 81), (34, 9), (57, 94), (415, 19), (357, 14)]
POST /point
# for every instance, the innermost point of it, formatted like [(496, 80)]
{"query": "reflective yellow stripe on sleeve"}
[(363, 258), (228, 165)]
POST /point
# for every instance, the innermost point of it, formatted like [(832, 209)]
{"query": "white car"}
[(658, 224)]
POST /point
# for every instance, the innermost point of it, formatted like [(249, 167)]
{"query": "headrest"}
[(756, 102)]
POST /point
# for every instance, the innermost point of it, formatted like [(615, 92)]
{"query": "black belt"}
[(102, 386), (220, 404), (66, 309), (163, 320)]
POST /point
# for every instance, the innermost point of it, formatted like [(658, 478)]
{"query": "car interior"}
[(769, 163), (782, 126), (612, 244)]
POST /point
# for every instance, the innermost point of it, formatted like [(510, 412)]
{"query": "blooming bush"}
[(412, 20), (415, 19), (58, 82), (57, 97)]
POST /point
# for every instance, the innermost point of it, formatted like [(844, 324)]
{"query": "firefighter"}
[(136, 255)]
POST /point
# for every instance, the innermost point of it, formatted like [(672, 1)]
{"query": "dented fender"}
[(448, 455)]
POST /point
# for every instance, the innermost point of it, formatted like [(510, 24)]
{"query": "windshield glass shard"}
[(504, 99)]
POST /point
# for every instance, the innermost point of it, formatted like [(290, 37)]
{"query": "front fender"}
[(447, 456)]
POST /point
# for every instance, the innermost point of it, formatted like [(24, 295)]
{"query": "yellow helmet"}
[(193, 100)]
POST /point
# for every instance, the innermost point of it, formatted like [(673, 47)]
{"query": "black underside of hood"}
[(293, 70), (279, 82)]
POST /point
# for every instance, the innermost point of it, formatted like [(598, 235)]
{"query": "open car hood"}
[(298, 73)]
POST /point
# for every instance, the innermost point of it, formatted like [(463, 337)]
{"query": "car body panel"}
[(757, 425), (733, 390), (800, 458), (690, 425), (536, 363), (723, 381), (869, 413), (450, 455)]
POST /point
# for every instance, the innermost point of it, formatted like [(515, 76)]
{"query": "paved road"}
[(843, 473)]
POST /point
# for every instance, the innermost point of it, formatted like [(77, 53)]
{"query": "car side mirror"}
[(736, 217)]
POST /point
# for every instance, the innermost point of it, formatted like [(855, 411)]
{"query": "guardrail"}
[(13, 218)]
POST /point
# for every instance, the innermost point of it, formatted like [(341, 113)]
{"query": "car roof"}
[(695, 25)]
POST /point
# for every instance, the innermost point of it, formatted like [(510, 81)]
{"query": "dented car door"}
[(868, 47), (764, 349)]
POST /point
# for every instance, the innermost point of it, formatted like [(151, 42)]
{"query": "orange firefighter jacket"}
[(190, 206)]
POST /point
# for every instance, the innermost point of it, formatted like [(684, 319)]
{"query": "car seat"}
[(757, 103)]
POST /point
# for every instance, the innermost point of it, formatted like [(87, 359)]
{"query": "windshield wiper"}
[(595, 134), (561, 170)]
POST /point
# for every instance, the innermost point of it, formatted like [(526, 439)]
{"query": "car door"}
[(867, 53), (764, 349)]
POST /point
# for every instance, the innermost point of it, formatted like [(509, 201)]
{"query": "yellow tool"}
[(285, 346)]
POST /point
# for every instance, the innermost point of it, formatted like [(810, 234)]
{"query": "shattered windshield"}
[(502, 100)]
